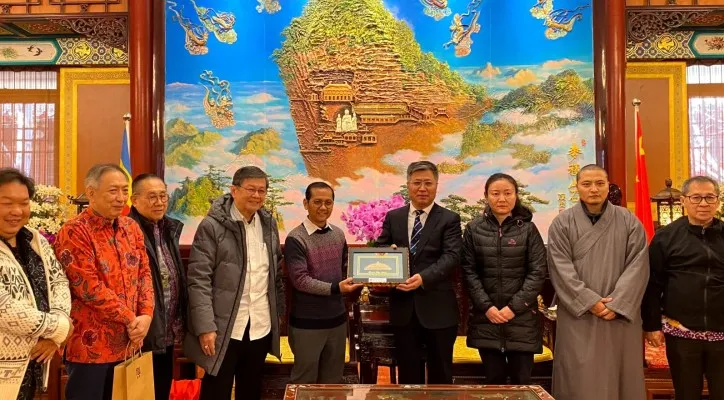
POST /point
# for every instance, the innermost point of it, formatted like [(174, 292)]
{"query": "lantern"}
[(668, 205), (81, 202)]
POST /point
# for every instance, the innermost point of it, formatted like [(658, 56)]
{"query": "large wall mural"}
[(352, 91)]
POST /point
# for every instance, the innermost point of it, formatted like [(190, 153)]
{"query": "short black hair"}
[(418, 166), (249, 172), (317, 185), (700, 179), (590, 167), (141, 178), (8, 175)]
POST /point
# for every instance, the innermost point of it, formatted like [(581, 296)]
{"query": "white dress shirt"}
[(411, 218), (254, 303), (311, 227)]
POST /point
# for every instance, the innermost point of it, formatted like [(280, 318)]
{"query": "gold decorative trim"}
[(70, 79), (675, 74)]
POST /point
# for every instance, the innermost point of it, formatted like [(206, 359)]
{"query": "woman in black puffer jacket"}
[(504, 265)]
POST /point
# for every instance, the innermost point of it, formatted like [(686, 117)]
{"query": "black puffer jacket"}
[(504, 265)]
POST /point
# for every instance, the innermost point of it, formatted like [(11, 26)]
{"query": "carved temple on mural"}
[(344, 121)]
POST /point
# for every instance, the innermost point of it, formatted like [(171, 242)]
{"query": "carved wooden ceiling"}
[(650, 3), (62, 7), (103, 20), (647, 18), (33, 28)]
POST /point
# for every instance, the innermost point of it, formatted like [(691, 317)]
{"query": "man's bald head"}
[(592, 186), (590, 167)]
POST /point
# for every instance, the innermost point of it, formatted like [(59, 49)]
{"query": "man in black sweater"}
[(316, 258), (684, 301)]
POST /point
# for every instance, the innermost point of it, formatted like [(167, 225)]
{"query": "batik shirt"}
[(110, 284)]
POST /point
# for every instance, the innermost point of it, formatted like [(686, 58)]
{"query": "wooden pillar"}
[(599, 83), (140, 65), (610, 75), (159, 85)]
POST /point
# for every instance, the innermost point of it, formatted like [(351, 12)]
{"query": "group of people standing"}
[(114, 283), (111, 284)]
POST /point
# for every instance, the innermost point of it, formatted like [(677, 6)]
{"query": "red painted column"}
[(140, 66), (616, 76), (158, 70), (610, 80)]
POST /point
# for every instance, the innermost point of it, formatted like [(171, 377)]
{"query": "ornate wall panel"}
[(61, 51), (78, 51), (678, 45)]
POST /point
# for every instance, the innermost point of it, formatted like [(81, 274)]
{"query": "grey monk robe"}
[(597, 359)]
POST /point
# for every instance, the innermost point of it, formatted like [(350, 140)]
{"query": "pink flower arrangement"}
[(364, 221)]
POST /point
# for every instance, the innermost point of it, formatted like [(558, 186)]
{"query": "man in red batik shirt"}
[(104, 256)]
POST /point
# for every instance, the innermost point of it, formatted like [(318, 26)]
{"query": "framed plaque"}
[(379, 266)]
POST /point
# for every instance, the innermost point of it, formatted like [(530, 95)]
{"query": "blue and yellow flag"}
[(126, 166)]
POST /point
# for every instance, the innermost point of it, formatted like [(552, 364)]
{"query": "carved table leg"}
[(368, 372)]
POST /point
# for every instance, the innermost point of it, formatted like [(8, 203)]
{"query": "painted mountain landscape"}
[(352, 91)]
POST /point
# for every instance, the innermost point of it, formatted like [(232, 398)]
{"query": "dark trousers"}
[(409, 341), (498, 366), (89, 381), (163, 373), (244, 360), (318, 354), (689, 361)]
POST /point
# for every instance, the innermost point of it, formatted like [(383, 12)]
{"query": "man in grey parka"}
[(236, 290)]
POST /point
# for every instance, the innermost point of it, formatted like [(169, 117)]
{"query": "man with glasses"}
[(424, 310), (236, 290), (316, 257), (161, 236), (684, 302)]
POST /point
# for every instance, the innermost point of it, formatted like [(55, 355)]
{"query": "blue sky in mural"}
[(509, 37), (510, 52)]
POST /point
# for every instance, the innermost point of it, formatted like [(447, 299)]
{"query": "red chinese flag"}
[(643, 204)]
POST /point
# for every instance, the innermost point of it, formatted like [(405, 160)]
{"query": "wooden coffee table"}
[(414, 392)]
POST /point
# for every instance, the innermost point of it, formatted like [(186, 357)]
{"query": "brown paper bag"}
[(133, 378), (139, 378), (119, 381)]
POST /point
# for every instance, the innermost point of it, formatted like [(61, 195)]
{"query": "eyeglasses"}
[(697, 199), (320, 203), (425, 184), (153, 198), (251, 191)]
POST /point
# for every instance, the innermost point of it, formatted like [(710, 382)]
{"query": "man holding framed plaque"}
[(423, 309), (316, 257)]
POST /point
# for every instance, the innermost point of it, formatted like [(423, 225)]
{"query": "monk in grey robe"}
[(599, 267)]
